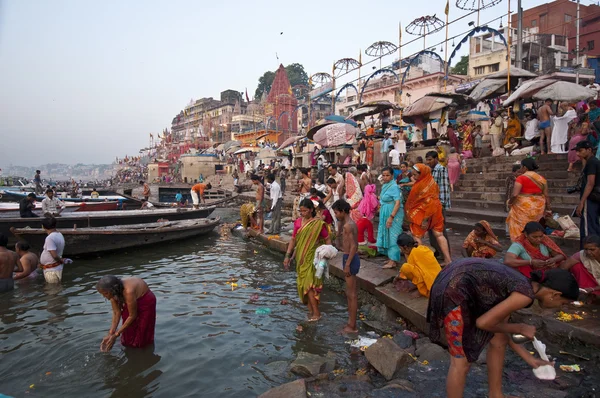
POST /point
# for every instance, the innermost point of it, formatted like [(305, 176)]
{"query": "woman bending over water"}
[(471, 301), (132, 299)]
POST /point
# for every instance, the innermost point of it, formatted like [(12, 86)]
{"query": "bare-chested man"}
[(350, 259), (544, 113), (260, 202), (29, 261), (9, 262)]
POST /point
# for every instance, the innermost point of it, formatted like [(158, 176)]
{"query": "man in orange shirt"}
[(370, 131), (197, 193)]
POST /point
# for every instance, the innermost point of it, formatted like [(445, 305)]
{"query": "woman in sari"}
[(303, 189), (353, 193), (529, 200), (513, 129), (133, 301), (481, 242), (424, 209), (309, 233), (467, 138), (454, 162), (585, 265), (453, 138), (391, 216), (533, 250), (579, 133), (421, 267), (404, 181), (370, 151), (367, 209)]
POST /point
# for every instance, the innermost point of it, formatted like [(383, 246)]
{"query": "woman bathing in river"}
[(309, 233), (472, 299), (132, 299)]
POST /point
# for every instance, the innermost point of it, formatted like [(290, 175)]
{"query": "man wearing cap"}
[(589, 203), (51, 206)]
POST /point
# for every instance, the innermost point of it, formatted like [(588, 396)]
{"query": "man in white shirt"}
[(339, 180), (532, 130), (51, 206), (51, 259), (276, 202), (395, 157)]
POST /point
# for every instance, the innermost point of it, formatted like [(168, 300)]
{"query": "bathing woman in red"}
[(132, 300)]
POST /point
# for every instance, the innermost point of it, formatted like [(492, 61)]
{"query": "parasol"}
[(487, 88), (335, 134), (320, 124), (220, 147), (514, 73), (371, 108), (267, 153), (246, 150), (340, 119), (556, 90), (290, 141), (231, 144)]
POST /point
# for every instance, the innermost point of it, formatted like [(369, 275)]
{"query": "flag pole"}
[(446, 44), (509, 42), (359, 66)]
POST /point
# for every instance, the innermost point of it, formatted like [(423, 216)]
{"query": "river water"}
[(210, 342)]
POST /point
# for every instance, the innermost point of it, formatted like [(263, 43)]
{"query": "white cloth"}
[(55, 241), (401, 146), (560, 130), (417, 136), (275, 193), (195, 197), (324, 252), (339, 180), (53, 275), (531, 129), (395, 156), (51, 205)]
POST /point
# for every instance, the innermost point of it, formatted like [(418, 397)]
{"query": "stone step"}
[(557, 196), (476, 214), (472, 205), (501, 182), (497, 175), (513, 159), (502, 167)]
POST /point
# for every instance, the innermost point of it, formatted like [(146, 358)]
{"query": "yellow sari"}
[(513, 130), (308, 238), (421, 269)]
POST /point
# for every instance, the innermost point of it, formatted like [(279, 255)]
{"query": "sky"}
[(86, 81)]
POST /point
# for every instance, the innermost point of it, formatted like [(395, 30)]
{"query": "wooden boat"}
[(12, 209), (107, 218), (85, 241), (18, 195)]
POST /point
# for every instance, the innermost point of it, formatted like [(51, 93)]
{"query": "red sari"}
[(536, 254), (141, 332)]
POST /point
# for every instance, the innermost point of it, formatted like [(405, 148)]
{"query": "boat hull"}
[(106, 218), (93, 241)]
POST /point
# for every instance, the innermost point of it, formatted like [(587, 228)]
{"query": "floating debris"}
[(566, 317), (570, 368)]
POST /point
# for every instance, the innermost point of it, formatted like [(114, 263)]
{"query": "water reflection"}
[(134, 367)]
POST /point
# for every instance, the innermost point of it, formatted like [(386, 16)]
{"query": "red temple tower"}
[(279, 100)]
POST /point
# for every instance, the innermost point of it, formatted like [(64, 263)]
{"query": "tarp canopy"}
[(291, 141), (514, 72), (487, 88), (267, 153), (371, 108), (557, 90), (246, 149), (336, 134)]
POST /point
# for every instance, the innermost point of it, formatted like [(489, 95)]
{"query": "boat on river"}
[(10, 209), (95, 240), (18, 195), (108, 218)]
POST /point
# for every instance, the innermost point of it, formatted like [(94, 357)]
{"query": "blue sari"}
[(386, 238)]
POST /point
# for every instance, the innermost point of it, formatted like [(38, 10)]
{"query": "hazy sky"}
[(85, 81)]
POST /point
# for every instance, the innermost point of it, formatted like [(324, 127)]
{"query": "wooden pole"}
[(509, 41), (446, 50)]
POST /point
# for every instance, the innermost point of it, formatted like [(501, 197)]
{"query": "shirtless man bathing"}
[(29, 261), (350, 260), (544, 114), (9, 263)]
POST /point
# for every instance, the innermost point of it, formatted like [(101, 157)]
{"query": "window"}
[(590, 45), (568, 18), (495, 67), (543, 20), (533, 23), (479, 70)]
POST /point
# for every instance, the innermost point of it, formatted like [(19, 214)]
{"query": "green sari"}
[(307, 241)]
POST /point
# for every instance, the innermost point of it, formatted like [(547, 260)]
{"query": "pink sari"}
[(353, 195), (368, 204)]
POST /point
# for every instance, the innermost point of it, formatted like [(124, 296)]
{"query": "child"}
[(478, 138), (179, 199), (350, 260), (511, 146)]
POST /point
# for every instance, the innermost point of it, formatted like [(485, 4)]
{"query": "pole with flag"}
[(247, 98), (359, 66), (399, 101), (447, 12), (333, 89)]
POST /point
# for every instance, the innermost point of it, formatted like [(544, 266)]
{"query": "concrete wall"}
[(152, 171), (193, 166)]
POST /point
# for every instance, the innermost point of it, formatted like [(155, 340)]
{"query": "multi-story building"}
[(559, 18), (487, 54)]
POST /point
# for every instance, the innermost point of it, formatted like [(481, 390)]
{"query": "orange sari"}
[(423, 206), (527, 207)]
